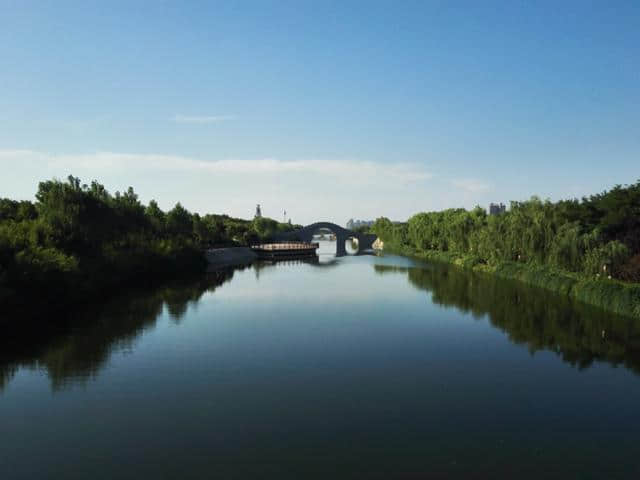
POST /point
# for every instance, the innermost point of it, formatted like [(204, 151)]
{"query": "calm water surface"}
[(357, 367)]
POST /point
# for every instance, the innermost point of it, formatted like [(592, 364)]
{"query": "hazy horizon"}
[(328, 111)]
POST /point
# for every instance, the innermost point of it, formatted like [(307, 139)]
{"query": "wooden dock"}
[(273, 251)]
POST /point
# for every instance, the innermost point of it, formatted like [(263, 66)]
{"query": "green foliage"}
[(597, 235), (18, 211), (607, 259), (78, 239), (630, 271), (156, 217), (264, 227), (179, 221), (393, 234), (579, 248)]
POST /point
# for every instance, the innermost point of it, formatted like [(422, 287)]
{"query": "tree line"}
[(597, 235), (77, 239)]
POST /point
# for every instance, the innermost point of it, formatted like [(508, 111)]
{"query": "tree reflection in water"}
[(79, 346), (534, 317)]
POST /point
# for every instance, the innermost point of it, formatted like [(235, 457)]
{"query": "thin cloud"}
[(201, 119), (471, 185), (308, 189), (349, 172)]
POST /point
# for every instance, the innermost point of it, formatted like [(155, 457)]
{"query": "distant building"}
[(353, 224), (497, 208), (258, 212)]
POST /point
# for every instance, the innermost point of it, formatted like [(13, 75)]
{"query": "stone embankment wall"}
[(224, 257)]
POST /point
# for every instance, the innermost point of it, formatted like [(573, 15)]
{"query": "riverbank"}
[(224, 257), (611, 295), (78, 244)]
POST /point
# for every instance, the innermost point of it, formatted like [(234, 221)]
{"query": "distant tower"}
[(497, 209), (284, 217), (258, 211)]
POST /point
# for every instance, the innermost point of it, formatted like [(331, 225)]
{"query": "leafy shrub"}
[(630, 271)]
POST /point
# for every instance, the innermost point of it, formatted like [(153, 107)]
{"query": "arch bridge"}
[(305, 234)]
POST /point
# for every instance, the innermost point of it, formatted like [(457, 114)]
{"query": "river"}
[(352, 367)]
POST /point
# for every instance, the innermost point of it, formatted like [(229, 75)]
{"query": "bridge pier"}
[(341, 249)]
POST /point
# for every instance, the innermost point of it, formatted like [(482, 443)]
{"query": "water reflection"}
[(80, 346), (534, 317), (77, 348), (324, 372)]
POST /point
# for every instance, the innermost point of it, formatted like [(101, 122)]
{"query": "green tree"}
[(179, 221)]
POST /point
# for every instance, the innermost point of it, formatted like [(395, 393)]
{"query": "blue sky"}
[(330, 110)]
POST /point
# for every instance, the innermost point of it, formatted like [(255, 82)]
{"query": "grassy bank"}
[(611, 295), (587, 249)]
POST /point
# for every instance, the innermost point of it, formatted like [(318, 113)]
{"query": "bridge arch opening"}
[(352, 245), (328, 242)]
